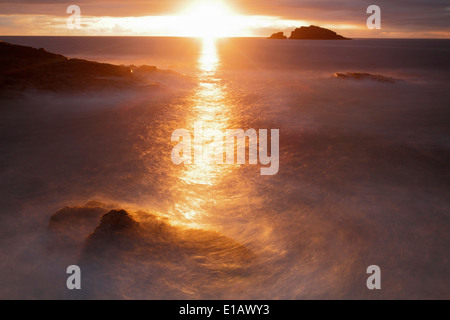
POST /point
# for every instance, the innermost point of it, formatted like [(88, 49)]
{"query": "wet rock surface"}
[(149, 256)]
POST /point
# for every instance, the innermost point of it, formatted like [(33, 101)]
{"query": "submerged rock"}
[(115, 222), (365, 76), (70, 226), (142, 255), (118, 229), (79, 215)]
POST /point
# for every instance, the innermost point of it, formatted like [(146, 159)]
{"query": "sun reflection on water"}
[(198, 181), (208, 61)]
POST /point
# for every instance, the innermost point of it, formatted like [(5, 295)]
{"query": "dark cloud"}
[(394, 12)]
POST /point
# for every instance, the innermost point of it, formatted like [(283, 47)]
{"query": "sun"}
[(210, 19)]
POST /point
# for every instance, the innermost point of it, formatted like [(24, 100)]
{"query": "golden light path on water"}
[(209, 106)]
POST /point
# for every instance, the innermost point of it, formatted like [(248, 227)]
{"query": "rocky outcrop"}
[(115, 226), (278, 35), (310, 33), (69, 226), (138, 254), (315, 33), (68, 217), (365, 76), (29, 68)]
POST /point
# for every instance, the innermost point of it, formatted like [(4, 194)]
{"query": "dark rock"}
[(70, 226), (365, 76), (141, 255), (278, 35), (114, 223), (68, 216), (315, 33), (145, 69), (29, 68)]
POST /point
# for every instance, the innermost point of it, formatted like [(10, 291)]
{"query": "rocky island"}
[(278, 35), (310, 33)]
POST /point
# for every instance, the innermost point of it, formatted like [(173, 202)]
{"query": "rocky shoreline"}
[(30, 68)]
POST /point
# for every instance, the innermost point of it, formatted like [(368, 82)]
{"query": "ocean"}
[(363, 173)]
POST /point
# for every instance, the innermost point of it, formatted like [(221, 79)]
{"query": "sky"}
[(399, 18)]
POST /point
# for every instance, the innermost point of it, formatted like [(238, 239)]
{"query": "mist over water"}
[(363, 179)]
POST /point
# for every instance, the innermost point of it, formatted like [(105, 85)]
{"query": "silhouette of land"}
[(30, 68), (310, 33)]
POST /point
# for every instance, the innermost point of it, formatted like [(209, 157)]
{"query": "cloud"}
[(403, 18), (92, 8)]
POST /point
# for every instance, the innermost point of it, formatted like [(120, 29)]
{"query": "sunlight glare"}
[(209, 105), (210, 19)]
